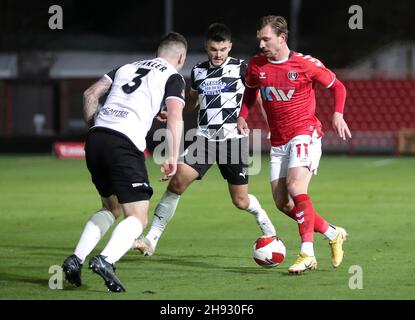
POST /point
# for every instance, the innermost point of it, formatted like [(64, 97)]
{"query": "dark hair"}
[(218, 32), (172, 37), (277, 23)]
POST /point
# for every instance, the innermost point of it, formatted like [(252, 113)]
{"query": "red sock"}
[(292, 213), (320, 225), (305, 217)]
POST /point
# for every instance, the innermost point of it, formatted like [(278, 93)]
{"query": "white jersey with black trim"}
[(220, 91), (137, 93)]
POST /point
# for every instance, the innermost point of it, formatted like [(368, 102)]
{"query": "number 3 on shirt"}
[(136, 82)]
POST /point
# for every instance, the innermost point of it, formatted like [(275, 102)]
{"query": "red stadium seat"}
[(379, 104), (377, 109)]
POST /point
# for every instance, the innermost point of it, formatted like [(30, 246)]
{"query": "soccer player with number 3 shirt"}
[(114, 152), (286, 82)]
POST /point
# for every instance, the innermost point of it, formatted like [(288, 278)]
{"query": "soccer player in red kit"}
[(286, 82)]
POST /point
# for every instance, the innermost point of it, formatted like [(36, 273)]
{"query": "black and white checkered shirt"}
[(220, 91)]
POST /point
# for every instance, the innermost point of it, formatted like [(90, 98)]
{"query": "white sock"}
[(94, 230), (331, 232), (261, 216), (307, 248), (164, 212), (122, 239)]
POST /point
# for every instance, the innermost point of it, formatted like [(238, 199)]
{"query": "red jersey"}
[(287, 92)]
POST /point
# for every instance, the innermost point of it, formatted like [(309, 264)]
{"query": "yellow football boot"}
[(303, 263), (336, 246), (144, 246)]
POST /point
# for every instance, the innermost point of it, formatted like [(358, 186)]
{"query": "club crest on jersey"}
[(292, 75)]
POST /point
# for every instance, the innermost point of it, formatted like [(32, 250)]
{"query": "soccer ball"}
[(268, 252)]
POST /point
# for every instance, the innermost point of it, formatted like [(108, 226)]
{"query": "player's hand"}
[(268, 135), (340, 126), (162, 117), (242, 126), (168, 169)]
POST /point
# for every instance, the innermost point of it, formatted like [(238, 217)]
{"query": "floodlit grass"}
[(205, 252)]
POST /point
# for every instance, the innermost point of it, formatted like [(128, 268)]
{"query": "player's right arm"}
[(264, 114), (249, 98), (91, 99)]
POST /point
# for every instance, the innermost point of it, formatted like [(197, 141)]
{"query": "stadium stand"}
[(380, 107), (380, 113)]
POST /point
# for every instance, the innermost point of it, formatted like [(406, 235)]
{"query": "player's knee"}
[(295, 187), (140, 216), (116, 211), (240, 202), (112, 205), (144, 221)]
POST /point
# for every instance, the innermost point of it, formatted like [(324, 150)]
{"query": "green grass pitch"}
[(205, 252)]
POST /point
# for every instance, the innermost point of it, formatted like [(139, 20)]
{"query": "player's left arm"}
[(339, 124), (91, 99), (175, 101), (174, 134), (192, 102), (328, 79)]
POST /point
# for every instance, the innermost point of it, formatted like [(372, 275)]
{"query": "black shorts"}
[(230, 155), (116, 166)]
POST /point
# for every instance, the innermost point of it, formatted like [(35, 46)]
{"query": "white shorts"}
[(300, 151)]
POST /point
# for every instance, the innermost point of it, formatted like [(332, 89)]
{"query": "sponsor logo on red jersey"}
[(275, 94)]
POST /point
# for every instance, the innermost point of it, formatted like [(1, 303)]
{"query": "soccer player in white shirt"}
[(114, 152)]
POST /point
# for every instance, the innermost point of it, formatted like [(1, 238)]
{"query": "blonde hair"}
[(277, 23)]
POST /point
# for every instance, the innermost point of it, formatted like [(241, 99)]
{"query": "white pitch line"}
[(384, 162)]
